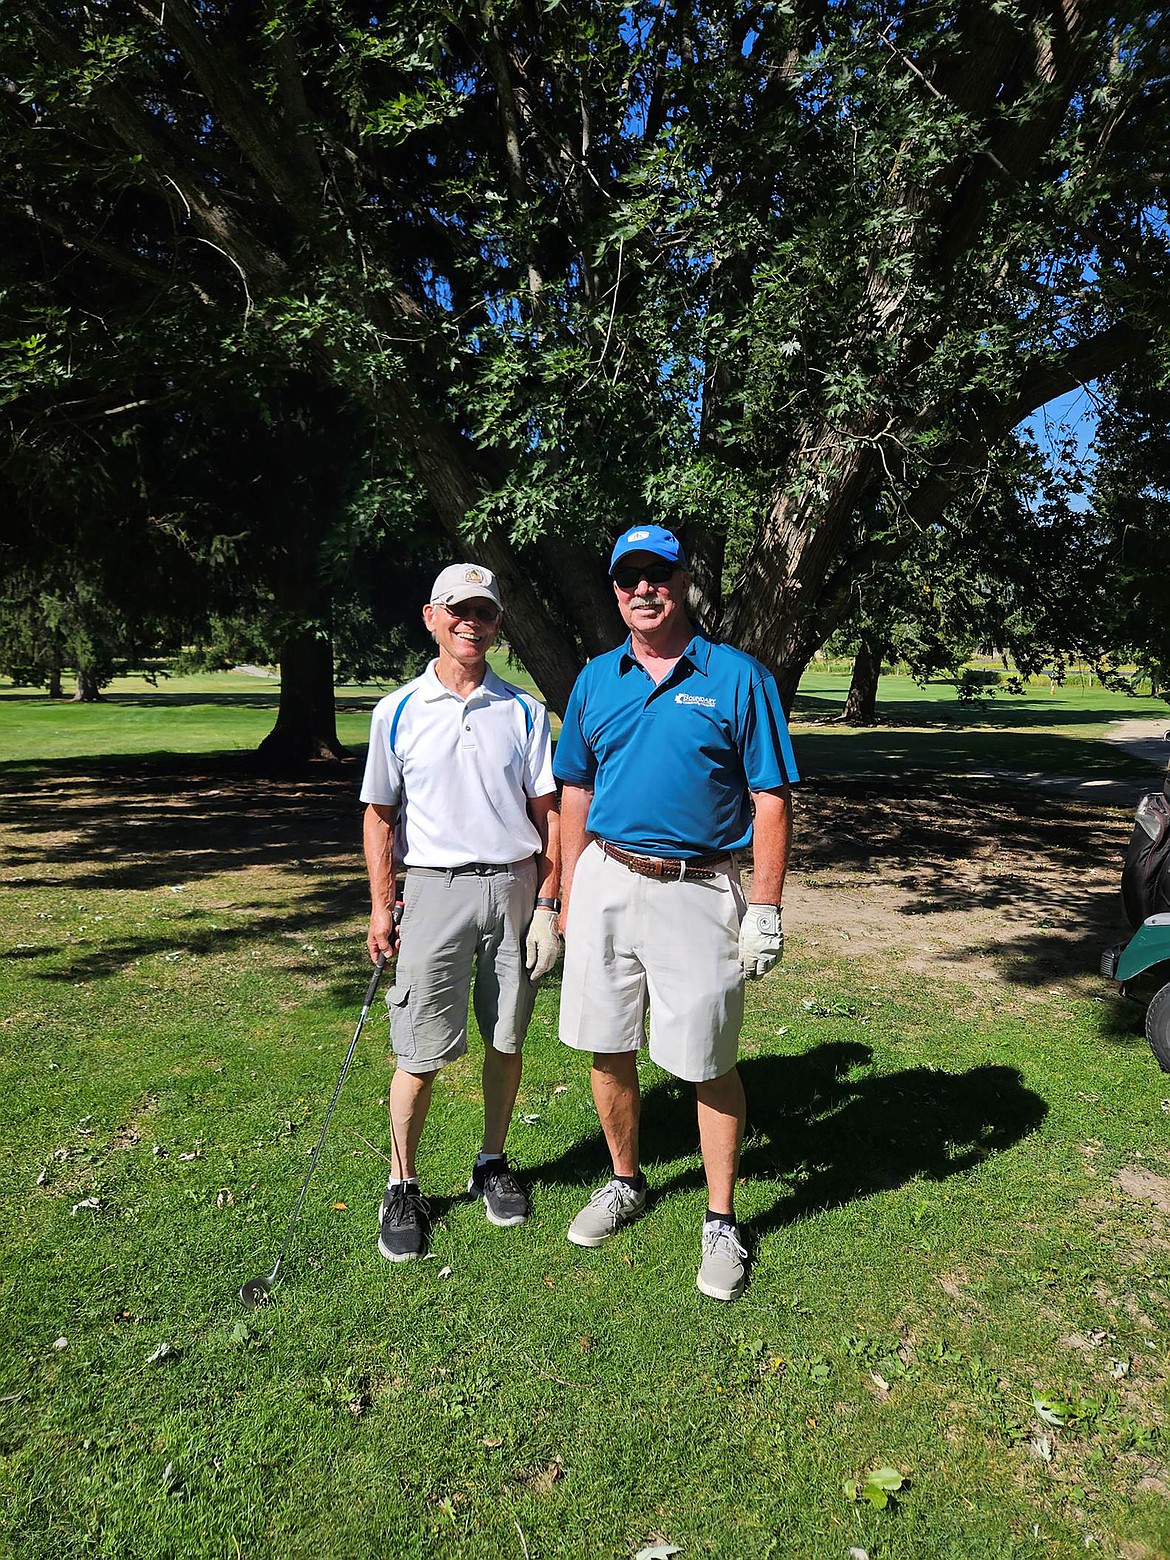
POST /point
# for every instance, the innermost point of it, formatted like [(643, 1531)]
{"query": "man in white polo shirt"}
[(459, 791)]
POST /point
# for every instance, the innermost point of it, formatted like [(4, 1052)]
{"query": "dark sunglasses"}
[(482, 612), (625, 578)]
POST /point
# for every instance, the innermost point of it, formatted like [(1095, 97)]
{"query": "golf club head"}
[(255, 1293)]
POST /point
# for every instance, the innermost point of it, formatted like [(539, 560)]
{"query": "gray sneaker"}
[(607, 1210), (723, 1270)]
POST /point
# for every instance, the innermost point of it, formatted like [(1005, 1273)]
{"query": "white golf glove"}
[(542, 944), (761, 942)]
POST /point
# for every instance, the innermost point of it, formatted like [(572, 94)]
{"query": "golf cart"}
[(1144, 961)]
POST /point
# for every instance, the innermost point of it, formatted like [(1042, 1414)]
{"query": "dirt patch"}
[(971, 884), (1147, 1185)]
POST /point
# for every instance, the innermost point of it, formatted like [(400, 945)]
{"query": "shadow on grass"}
[(1003, 710), (830, 1137), (155, 822), (1035, 875)]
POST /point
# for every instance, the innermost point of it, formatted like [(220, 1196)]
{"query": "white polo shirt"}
[(459, 770)]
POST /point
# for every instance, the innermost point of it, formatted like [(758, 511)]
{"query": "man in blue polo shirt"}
[(670, 744)]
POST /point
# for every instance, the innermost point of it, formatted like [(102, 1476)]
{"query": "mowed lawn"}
[(958, 1196)]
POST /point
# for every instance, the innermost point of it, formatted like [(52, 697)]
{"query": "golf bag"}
[(1145, 878)]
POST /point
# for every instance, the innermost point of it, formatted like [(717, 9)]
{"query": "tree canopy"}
[(749, 269)]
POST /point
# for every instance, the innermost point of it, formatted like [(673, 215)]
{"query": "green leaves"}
[(876, 1487)]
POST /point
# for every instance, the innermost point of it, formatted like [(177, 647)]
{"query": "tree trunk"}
[(306, 721), (861, 701), (88, 691), (53, 681), (787, 598), (447, 466)]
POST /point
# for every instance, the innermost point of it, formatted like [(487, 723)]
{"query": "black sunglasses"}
[(626, 576), (482, 612)]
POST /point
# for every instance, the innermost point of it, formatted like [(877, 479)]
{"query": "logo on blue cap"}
[(654, 539)]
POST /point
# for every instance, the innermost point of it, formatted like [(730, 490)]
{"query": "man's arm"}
[(761, 938), (545, 812), (575, 803), (771, 842), (378, 842)]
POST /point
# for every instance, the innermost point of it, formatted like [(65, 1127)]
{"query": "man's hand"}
[(542, 945), (384, 936), (761, 941)]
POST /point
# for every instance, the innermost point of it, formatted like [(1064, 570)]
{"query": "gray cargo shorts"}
[(452, 922)]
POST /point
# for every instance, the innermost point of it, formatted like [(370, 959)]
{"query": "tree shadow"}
[(829, 1137), (169, 823), (997, 711), (1035, 875)]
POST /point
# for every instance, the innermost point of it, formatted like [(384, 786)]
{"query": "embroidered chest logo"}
[(694, 698)]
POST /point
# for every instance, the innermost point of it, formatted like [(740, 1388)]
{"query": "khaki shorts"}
[(452, 921), (635, 941)]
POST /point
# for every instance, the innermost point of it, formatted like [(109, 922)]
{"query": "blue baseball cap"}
[(650, 539)]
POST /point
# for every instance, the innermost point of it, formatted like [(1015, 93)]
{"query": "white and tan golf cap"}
[(464, 582)]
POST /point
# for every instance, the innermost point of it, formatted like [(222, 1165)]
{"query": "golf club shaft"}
[(376, 977)]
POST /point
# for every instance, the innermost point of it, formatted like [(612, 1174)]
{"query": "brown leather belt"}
[(671, 868)]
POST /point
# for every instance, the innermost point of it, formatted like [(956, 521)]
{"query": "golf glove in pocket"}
[(542, 945), (761, 942)]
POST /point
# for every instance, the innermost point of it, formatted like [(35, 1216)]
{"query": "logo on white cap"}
[(473, 576), (637, 536)]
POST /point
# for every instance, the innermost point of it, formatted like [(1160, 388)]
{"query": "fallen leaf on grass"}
[(90, 1202), (1041, 1447), (342, 1207), (445, 1272), (60, 1343), (224, 1198), (163, 1354), (563, 1088), (530, 1120), (658, 1552), (492, 1443), (1051, 1410)]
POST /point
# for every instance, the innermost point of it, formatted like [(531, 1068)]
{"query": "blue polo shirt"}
[(671, 766)]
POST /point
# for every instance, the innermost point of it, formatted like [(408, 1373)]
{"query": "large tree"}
[(741, 265)]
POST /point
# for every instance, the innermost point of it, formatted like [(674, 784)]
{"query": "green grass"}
[(930, 1190)]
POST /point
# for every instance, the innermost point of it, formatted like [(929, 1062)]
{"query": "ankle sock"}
[(636, 1183), (720, 1218), (482, 1159), (392, 1184)]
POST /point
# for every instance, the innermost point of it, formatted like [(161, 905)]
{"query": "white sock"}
[(485, 1159)]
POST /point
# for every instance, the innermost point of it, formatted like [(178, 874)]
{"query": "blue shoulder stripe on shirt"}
[(528, 721), (398, 716)]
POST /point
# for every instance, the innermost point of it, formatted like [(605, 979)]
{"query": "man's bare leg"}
[(410, 1099), (501, 1082), (722, 1114), (618, 1098)]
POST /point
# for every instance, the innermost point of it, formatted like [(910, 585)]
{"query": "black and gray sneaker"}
[(504, 1199), (405, 1225)]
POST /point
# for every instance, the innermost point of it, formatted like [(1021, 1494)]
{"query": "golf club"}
[(257, 1290)]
